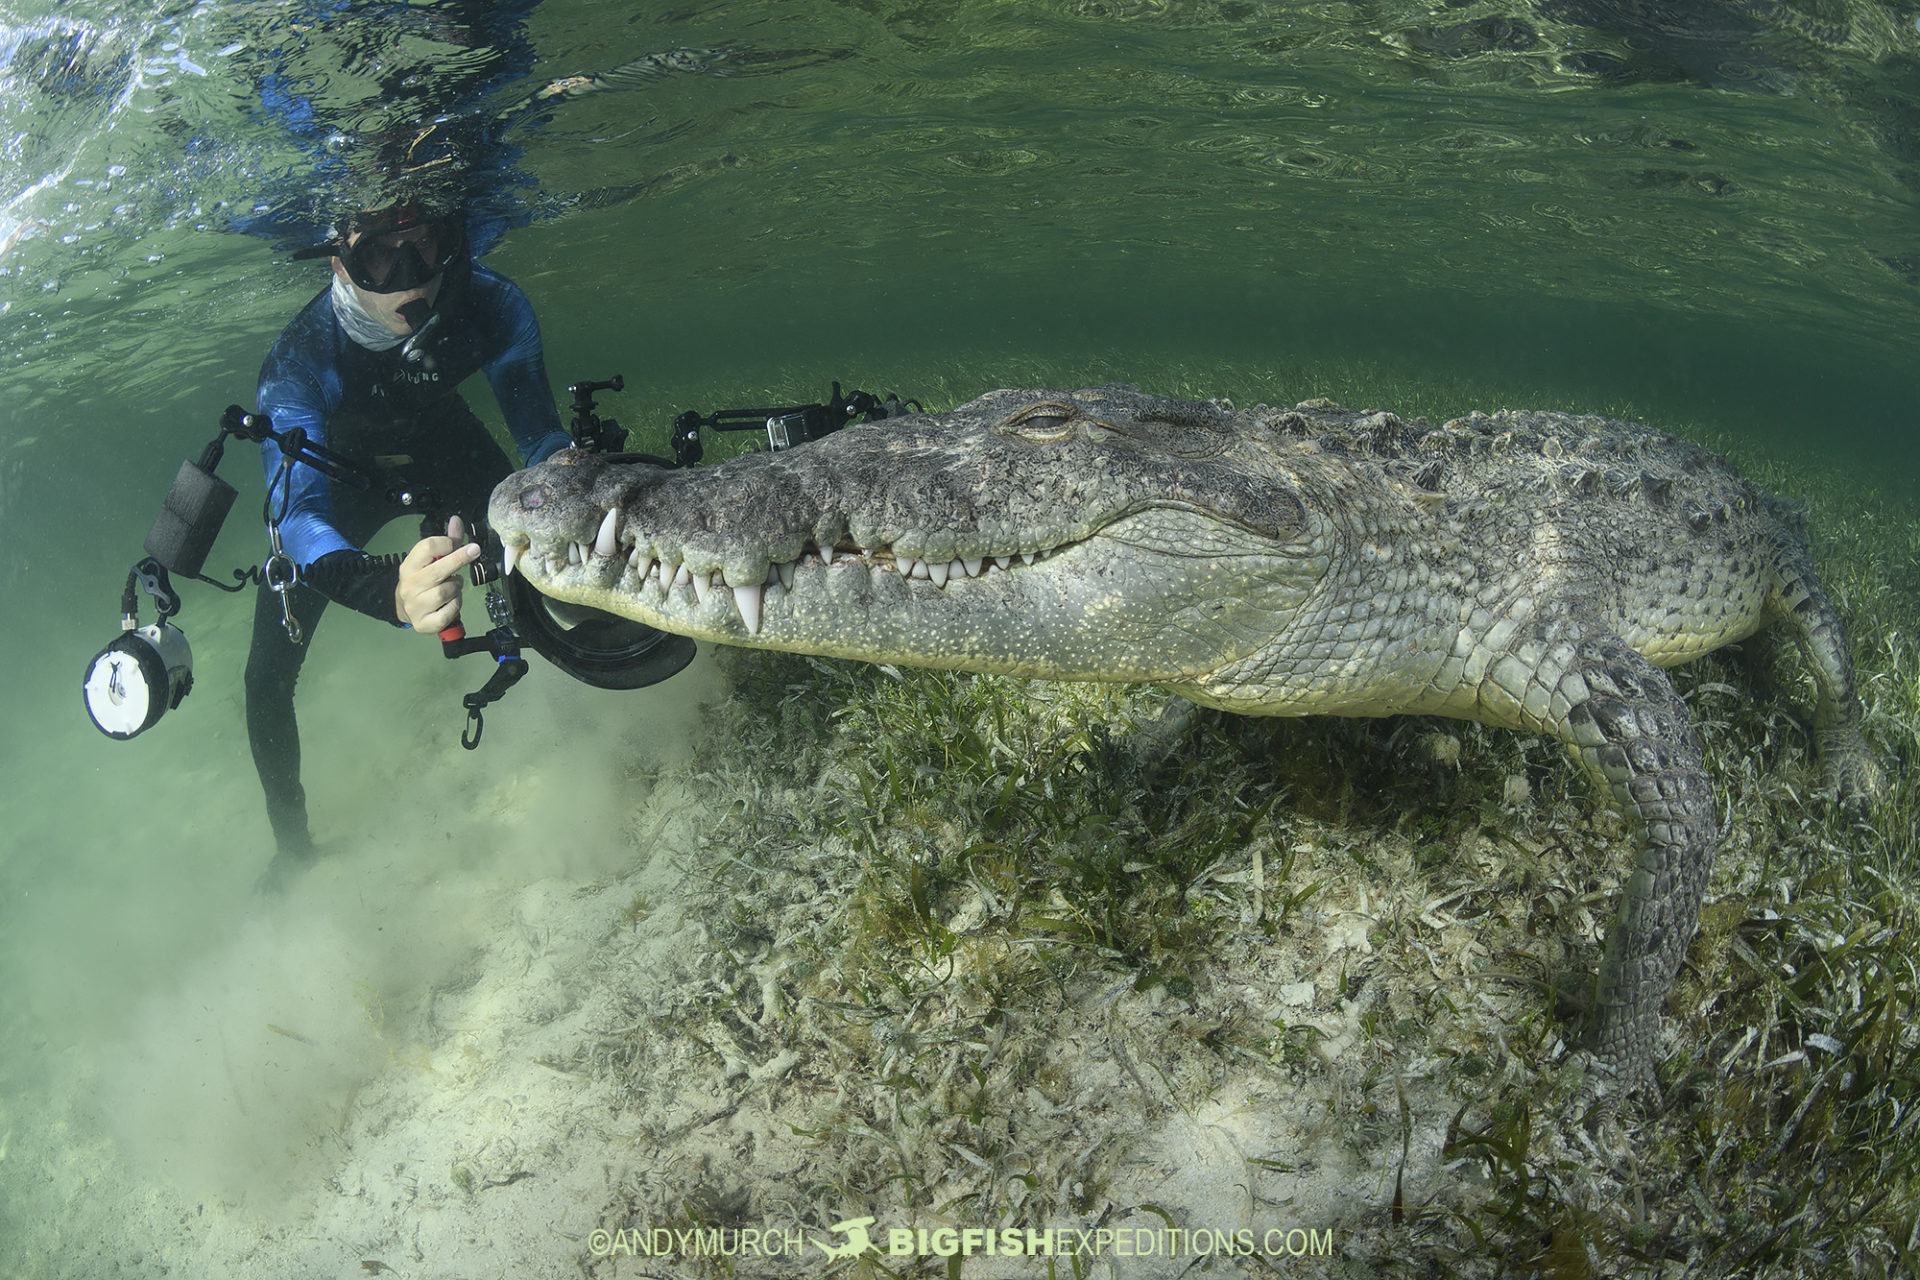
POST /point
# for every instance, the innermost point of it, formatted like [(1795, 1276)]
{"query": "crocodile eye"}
[(1048, 420)]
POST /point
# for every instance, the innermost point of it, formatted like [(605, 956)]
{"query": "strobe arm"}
[(293, 444)]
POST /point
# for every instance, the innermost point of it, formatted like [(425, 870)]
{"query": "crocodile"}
[(1525, 569)]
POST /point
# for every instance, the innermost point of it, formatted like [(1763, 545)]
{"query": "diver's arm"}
[(365, 584), (519, 379), (295, 394), (300, 497)]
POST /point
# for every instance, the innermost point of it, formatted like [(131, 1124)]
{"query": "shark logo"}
[(857, 1240)]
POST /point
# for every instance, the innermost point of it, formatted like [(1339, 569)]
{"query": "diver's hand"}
[(427, 597)]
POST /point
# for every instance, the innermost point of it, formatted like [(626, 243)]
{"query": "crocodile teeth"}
[(603, 542), (643, 567), (747, 601)]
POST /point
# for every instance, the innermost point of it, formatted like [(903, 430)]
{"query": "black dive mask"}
[(408, 254)]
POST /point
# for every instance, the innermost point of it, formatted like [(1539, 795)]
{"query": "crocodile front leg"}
[(1634, 736)]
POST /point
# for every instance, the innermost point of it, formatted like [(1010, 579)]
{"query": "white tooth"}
[(1026, 557), (905, 565), (573, 553), (702, 584), (972, 565), (786, 575), (641, 565), (937, 570), (511, 559), (604, 544), (920, 569), (747, 601), (1003, 561)]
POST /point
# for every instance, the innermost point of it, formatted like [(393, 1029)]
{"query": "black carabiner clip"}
[(506, 672)]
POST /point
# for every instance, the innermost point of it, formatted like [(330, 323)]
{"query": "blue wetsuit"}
[(343, 394), (406, 422)]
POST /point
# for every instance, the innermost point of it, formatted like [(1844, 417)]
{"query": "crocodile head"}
[(1099, 534)]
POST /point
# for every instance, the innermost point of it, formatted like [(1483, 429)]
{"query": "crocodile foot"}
[(1852, 775), (1607, 1084)]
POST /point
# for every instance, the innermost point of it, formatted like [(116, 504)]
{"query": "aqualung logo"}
[(851, 1239)]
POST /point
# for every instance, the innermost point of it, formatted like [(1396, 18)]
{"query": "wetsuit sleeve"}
[(296, 394), (366, 584), (519, 378), (300, 392)]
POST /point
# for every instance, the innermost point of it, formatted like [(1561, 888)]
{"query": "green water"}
[(1709, 219)]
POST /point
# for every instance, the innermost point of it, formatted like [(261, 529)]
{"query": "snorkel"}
[(423, 314)]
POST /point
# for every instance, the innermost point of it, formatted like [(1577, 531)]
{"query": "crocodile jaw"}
[(1095, 535), (1155, 596)]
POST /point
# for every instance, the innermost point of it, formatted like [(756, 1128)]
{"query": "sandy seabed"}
[(550, 1047)]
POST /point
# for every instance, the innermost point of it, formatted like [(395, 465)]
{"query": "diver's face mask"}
[(408, 253)]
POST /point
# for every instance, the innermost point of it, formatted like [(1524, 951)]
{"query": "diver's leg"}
[(273, 666)]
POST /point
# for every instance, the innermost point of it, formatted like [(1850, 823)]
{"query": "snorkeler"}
[(370, 369)]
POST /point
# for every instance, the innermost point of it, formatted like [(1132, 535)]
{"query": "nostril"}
[(533, 497)]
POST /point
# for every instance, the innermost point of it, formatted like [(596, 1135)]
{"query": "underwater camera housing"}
[(596, 648), (145, 672), (592, 646)]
